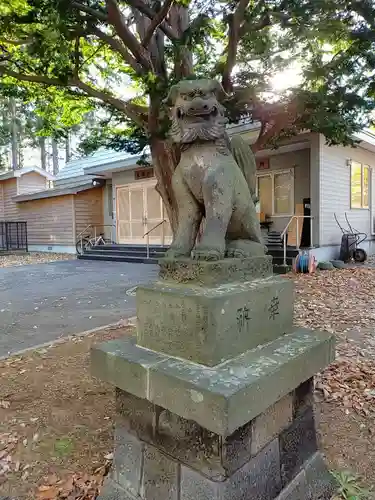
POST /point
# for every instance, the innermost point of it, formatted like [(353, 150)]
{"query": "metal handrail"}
[(83, 232), (284, 233), (93, 226), (157, 225), (148, 236)]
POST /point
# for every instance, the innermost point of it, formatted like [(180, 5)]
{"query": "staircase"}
[(125, 253), (138, 253), (276, 249)]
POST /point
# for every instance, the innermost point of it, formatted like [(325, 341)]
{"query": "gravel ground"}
[(33, 258)]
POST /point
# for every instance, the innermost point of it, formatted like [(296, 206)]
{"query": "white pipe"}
[(297, 232), (284, 242)]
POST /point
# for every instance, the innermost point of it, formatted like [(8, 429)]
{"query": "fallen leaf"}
[(47, 492), (52, 479)]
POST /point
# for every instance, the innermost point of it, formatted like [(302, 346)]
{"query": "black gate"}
[(13, 236)]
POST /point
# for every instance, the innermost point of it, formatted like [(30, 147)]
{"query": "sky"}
[(285, 79)]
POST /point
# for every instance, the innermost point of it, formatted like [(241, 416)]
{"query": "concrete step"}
[(138, 254), (135, 248), (128, 253), (281, 269), (277, 249), (117, 258)]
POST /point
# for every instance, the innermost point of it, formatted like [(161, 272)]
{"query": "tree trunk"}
[(14, 133), (165, 159), (55, 157), (68, 152), (43, 153), (5, 154), (20, 152)]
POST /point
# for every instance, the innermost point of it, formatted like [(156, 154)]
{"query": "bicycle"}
[(86, 243)]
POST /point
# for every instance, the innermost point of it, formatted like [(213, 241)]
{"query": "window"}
[(276, 192), (359, 185)]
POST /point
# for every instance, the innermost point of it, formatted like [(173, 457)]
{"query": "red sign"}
[(144, 173), (263, 164)]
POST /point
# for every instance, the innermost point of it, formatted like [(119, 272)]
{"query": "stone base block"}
[(313, 482), (113, 491), (209, 325), (160, 456), (189, 443), (225, 397), (185, 270)]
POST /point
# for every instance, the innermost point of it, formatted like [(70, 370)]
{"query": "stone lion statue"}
[(208, 182)]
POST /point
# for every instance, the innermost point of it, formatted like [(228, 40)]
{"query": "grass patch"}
[(350, 487), (64, 447)]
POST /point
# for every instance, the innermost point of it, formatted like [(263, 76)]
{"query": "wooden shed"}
[(54, 216)]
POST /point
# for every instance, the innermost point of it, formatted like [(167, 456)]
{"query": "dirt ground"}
[(33, 258), (56, 420), (343, 302)]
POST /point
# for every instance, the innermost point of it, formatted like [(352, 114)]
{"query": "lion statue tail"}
[(246, 160)]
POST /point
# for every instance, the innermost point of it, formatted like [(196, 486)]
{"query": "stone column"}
[(215, 394)]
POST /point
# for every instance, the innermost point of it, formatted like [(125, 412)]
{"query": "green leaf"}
[(64, 447)]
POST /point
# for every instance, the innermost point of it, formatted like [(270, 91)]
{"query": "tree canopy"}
[(118, 59)]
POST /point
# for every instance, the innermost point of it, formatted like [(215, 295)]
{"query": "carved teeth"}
[(203, 113)]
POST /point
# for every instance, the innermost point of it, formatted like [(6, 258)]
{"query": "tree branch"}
[(76, 57), (17, 42), (183, 58), (250, 27), (233, 39), (118, 47), (31, 78), (116, 18), (150, 13), (131, 110), (156, 44), (156, 22), (91, 12)]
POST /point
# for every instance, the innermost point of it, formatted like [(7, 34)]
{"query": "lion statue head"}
[(196, 111)]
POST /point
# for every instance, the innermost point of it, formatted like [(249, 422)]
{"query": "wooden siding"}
[(52, 221), (10, 207), (31, 183), (49, 220), (2, 215), (335, 192), (88, 207)]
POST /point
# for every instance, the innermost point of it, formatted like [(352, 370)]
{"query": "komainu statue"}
[(215, 178)]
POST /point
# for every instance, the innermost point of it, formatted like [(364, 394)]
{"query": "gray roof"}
[(105, 161), (51, 193), (11, 174), (78, 170)]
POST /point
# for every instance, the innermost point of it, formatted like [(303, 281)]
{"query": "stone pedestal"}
[(215, 394)]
